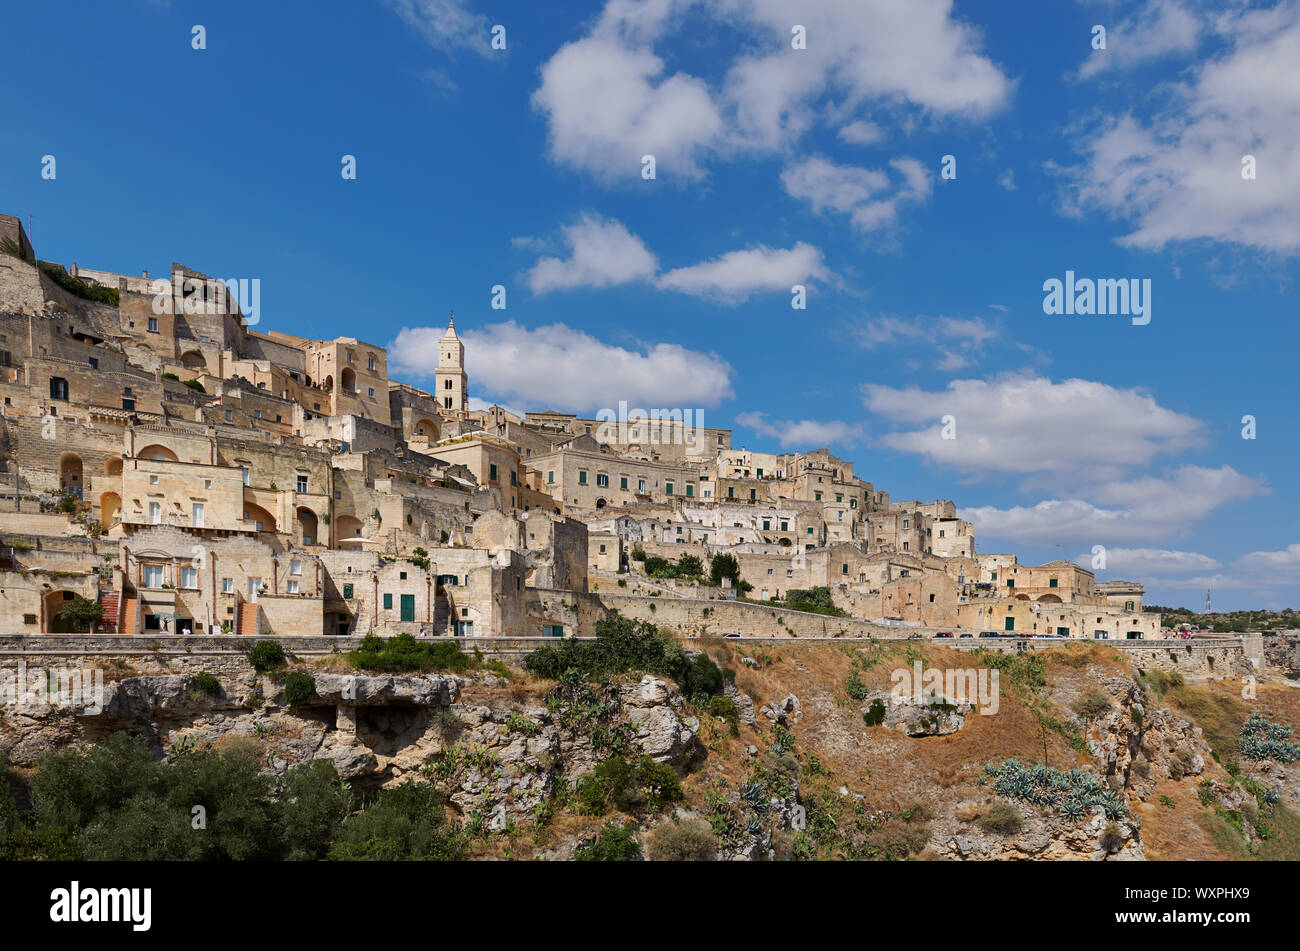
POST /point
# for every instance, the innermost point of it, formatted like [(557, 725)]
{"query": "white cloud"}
[(1135, 563), (1008, 180), (609, 98), (447, 25), (1157, 28), (602, 253), (735, 275), (1272, 567), (557, 367), (1027, 424), (1144, 510), (802, 433), (1178, 177), (958, 341), (861, 132), (864, 194), (609, 105)]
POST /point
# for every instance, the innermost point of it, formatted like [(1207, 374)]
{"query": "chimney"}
[(145, 275)]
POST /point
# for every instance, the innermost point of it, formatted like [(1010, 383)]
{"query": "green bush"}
[(726, 708), (205, 684), (1094, 705), (402, 823), (683, 842), (195, 385), (1002, 818), (299, 687), (105, 295), (266, 656), (875, 715), (1111, 838), (614, 844), (623, 645), (632, 787), (405, 653)]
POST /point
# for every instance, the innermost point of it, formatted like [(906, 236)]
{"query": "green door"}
[(408, 607), (1011, 624)]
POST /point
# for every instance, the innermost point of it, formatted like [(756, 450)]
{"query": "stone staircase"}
[(111, 602), (130, 610)]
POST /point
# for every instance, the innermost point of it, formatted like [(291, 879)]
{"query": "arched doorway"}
[(193, 360), (1050, 598), (600, 503), (110, 509), (156, 451), (113, 466), (260, 518), (348, 526), (349, 380), (54, 602), (308, 527), (427, 429), (70, 473)]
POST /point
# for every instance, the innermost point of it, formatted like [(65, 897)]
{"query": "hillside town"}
[(168, 467)]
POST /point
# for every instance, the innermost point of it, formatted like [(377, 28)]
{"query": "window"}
[(302, 483), (668, 488), (196, 515), (905, 523), (1011, 582), (153, 325), (370, 364), (153, 576), (58, 388), (492, 474), (690, 491), (230, 414), (295, 567), (371, 392), (582, 477), (207, 483), (155, 513), (622, 483), (785, 526), (1051, 582), (189, 578), (347, 592), (94, 363), (1128, 605), (767, 524), (844, 570), (227, 585), (640, 486), (388, 602), (817, 496), (550, 477), (128, 404), (153, 480), (245, 474), (602, 480), (292, 587)]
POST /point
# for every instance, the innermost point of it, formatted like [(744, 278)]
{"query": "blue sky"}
[(774, 166)]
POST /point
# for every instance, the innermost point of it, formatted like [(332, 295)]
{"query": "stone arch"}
[(1052, 598), (348, 526), (600, 503), (427, 428), (308, 527), (329, 382), (1022, 597), (70, 472), (53, 602), (348, 379), (113, 466), (193, 360), (110, 509), (263, 520), (157, 451)]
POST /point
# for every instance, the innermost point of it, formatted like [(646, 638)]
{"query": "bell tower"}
[(451, 381)]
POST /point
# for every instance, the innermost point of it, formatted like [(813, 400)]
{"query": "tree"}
[(79, 613)]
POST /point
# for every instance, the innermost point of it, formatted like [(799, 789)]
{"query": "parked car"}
[(967, 634), (944, 634), (730, 635)]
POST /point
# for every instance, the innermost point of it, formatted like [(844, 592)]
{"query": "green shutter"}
[(388, 602)]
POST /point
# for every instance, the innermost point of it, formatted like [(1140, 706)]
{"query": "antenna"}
[(1207, 600)]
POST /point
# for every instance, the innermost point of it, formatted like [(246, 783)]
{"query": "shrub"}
[(195, 385), (1094, 705), (1002, 818), (299, 687), (726, 708), (402, 823), (683, 842), (205, 684), (1111, 838), (614, 844), (405, 653), (1263, 740), (266, 656), (105, 295), (875, 715), (641, 784)]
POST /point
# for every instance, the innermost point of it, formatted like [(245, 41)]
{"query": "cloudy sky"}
[(791, 144)]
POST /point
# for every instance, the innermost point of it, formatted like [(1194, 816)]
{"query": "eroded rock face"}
[(1050, 838), (934, 716), (425, 690)]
